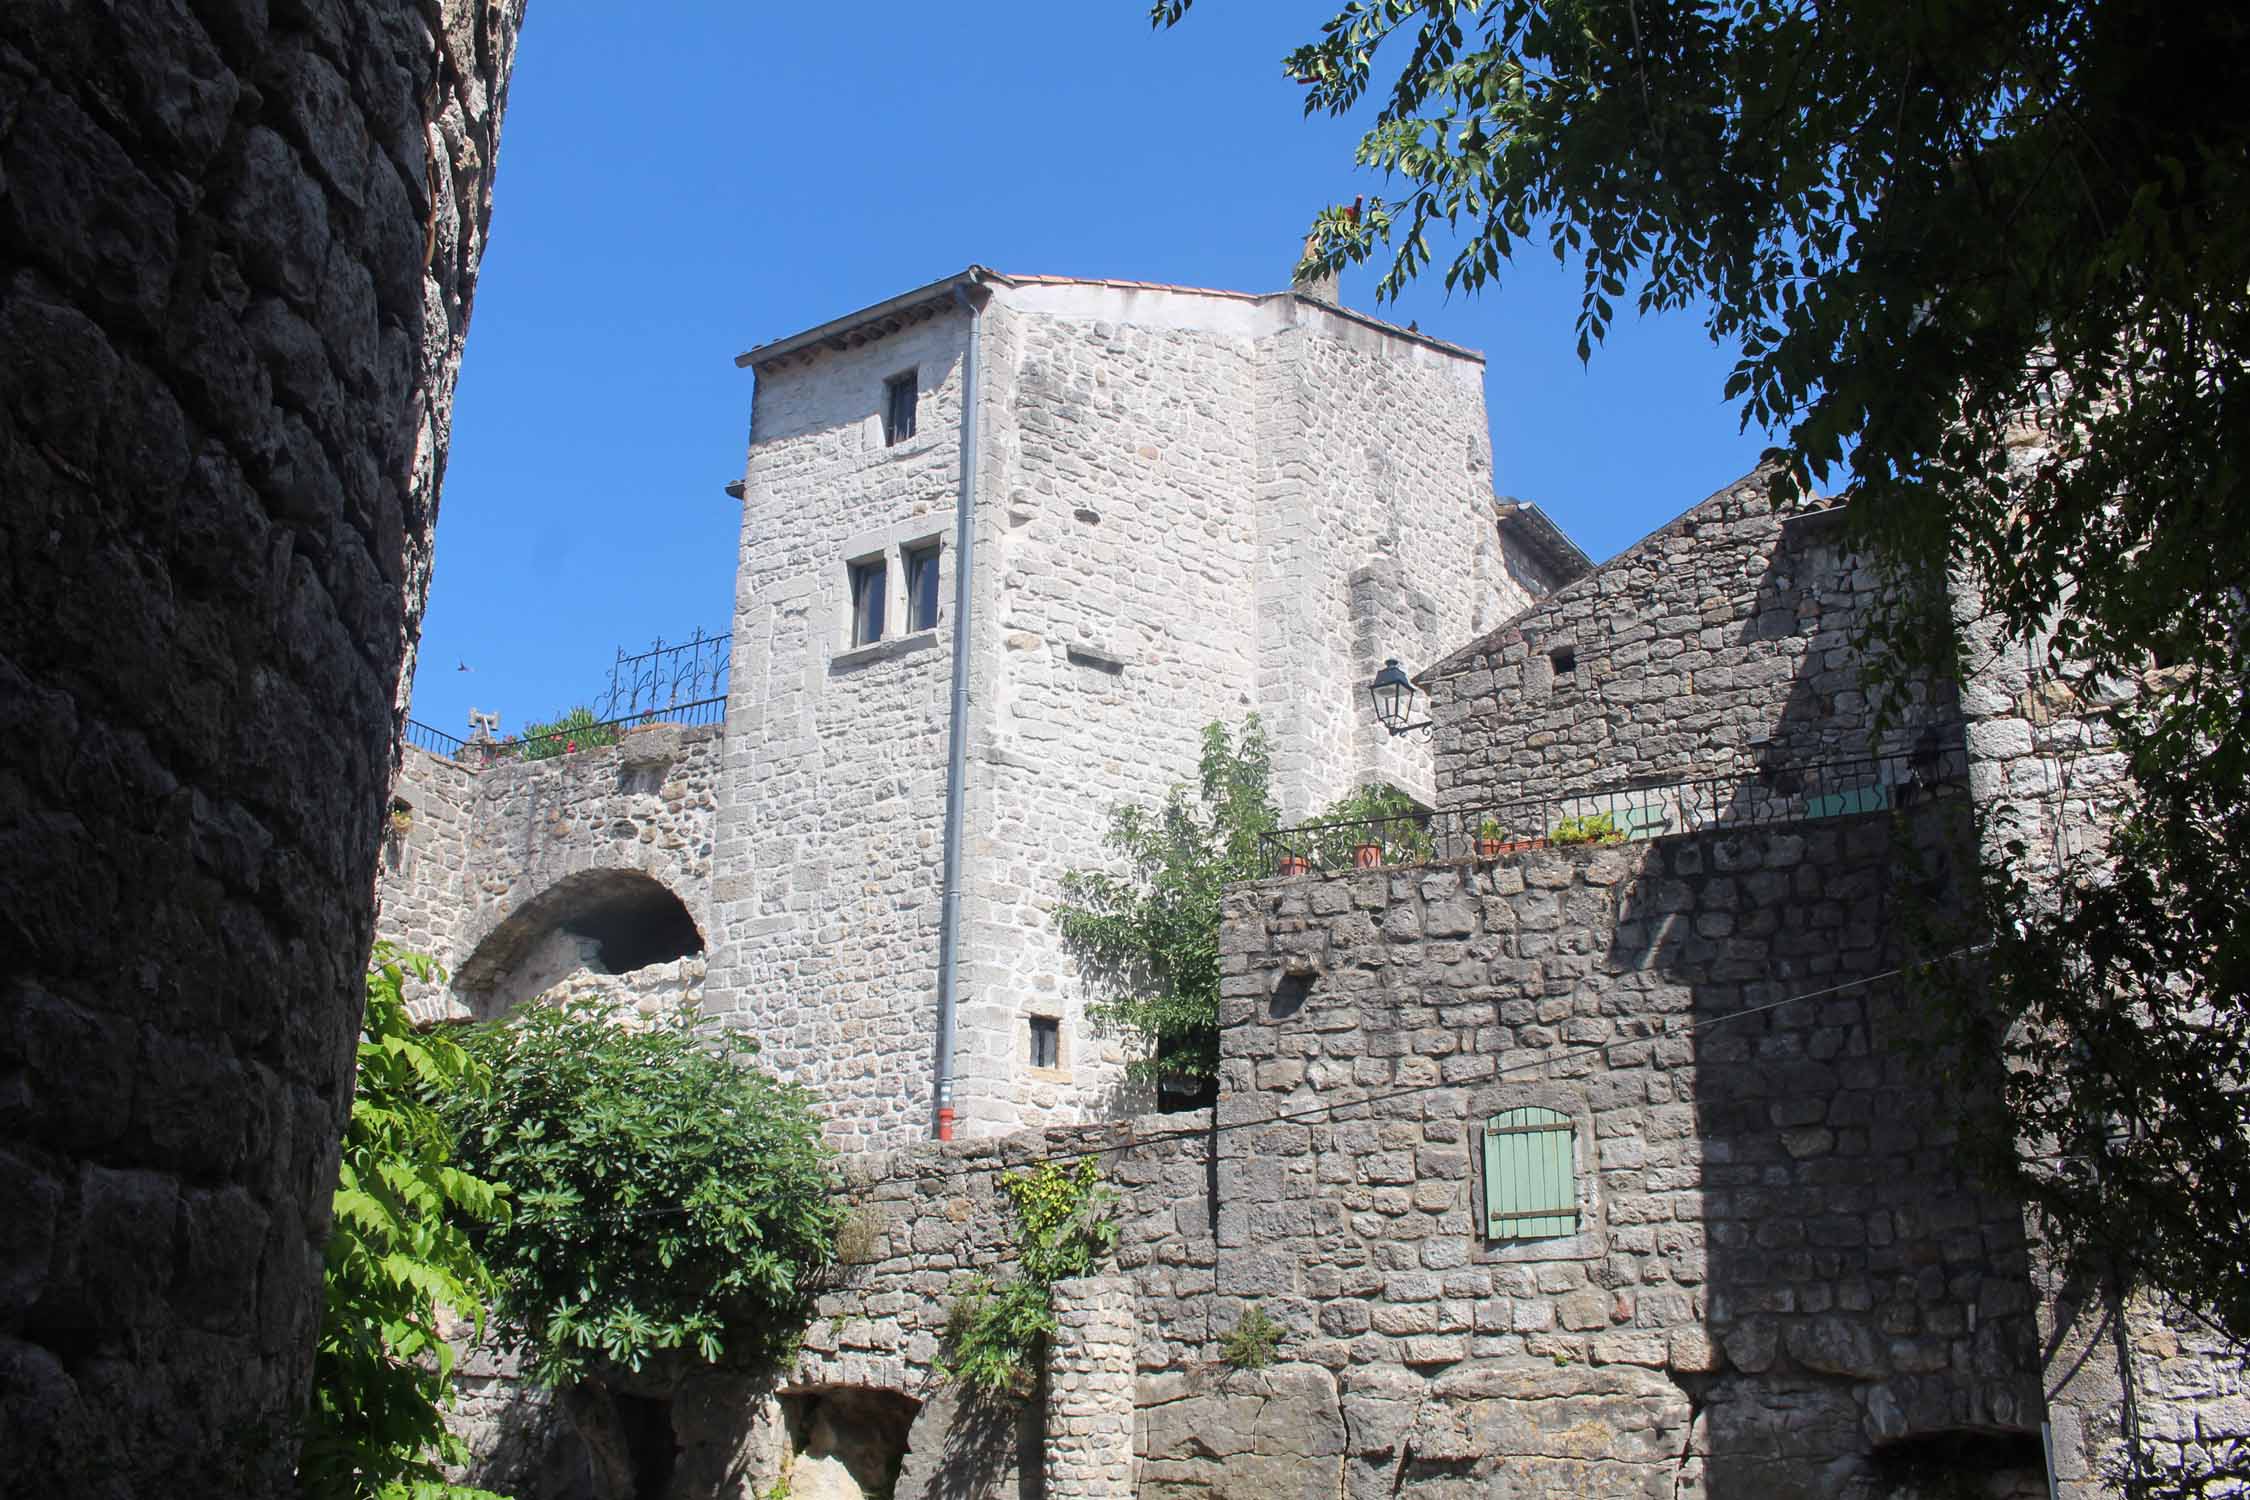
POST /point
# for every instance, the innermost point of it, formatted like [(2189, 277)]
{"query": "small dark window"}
[(921, 587), (1046, 1042), (1564, 660), (868, 585), (898, 408)]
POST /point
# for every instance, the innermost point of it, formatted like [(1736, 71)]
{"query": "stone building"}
[(1186, 506), (1756, 1264), (238, 249)]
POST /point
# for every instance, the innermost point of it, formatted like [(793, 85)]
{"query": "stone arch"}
[(602, 919)]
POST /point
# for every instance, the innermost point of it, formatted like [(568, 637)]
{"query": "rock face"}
[(237, 250)]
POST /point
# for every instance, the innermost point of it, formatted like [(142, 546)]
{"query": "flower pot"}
[(1295, 864), (1488, 848), (1367, 856)]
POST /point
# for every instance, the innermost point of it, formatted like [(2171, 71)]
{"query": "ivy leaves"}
[(996, 1334)]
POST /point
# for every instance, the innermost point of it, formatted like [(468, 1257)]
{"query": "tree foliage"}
[(996, 1334), (1150, 934), (1989, 262), (669, 1197), (1377, 814), (399, 1251)]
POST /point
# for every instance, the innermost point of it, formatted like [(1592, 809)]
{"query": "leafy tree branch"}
[(1988, 265), (1149, 934), (400, 1251)]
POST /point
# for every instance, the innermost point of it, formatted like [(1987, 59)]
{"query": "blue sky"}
[(679, 183)]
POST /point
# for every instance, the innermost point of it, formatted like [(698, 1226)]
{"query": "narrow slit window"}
[(1046, 1042), (1530, 1176), (922, 587), (868, 585), (898, 409)]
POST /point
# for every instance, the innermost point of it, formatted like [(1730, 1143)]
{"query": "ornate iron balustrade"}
[(436, 741), (1786, 793), (594, 735), (665, 678), (684, 683)]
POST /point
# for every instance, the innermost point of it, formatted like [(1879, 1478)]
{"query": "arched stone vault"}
[(621, 920), (612, 845)]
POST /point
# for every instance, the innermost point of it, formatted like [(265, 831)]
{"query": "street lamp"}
[(1393, 692)]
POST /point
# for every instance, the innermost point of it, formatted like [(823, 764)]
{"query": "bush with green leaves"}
[(996, 1334), (1253, 1341), (1383, 816), (1589, 828), (401, 1248), (1149, 936), (669, 1197), (574, 731)]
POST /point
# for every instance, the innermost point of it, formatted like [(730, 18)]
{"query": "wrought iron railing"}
[(436, 741), (688, 674), (1769, 795), (684, 683), (595, 734)]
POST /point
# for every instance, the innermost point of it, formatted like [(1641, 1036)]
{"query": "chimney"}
[(1321, 286)]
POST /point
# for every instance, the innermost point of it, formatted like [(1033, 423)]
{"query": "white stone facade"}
[(1188, 505)]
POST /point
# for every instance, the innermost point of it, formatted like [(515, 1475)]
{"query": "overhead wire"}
[(1218, 1127)]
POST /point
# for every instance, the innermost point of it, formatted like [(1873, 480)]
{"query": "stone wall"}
[(509, 870), (237, 253), (2135, 1385), (1780, 1268), (1723, 642), (1089, 1447), (835, 759)]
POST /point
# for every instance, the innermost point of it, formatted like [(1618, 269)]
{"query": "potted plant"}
[(1490, 837), (1367, 856), (1589, 828), (1294, 864)]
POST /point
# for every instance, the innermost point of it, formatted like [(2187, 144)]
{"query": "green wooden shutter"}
[(1530, 1189)]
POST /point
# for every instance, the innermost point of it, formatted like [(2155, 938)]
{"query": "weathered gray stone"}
[(201, 655)]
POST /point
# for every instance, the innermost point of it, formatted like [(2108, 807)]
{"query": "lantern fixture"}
[(1393, 692)]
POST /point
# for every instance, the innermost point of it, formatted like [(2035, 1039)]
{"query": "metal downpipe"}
[(957, 733)]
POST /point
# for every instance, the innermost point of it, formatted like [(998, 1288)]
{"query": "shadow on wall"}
[(599, 921), (1867, 1304)]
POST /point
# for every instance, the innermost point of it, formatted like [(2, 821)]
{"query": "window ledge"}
[(886, 650), (913, 447)]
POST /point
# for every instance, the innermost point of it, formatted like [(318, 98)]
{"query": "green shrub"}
[(668, 1196), (400, 1248), (995, 1338), (1593, 828), (1252, 1342), (1149, 938), (574, 731), (1386, 817)]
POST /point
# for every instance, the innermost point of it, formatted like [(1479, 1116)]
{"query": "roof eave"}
[(1550, 547), (836, 330)]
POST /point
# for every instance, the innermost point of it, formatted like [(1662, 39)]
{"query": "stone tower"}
[(1183, 506), (237, 255)]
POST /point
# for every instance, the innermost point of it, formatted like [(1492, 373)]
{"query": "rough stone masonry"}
[(238, 246)]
